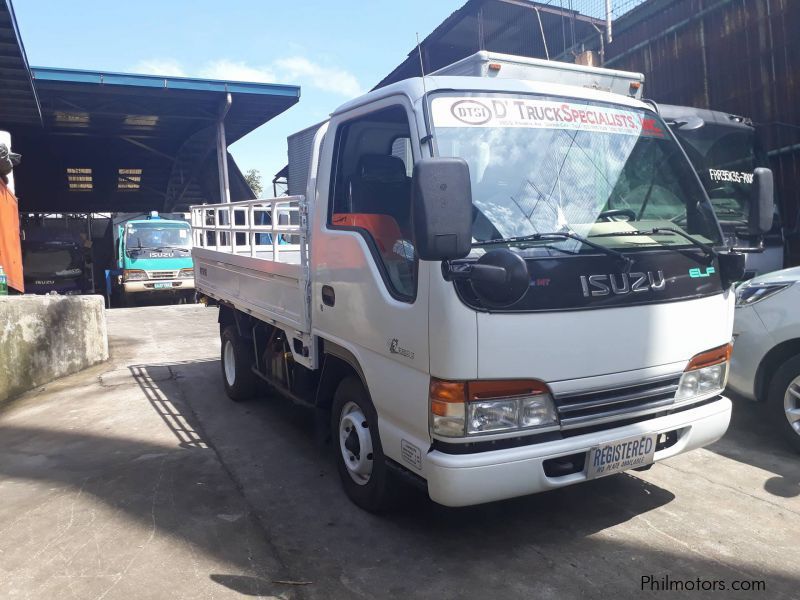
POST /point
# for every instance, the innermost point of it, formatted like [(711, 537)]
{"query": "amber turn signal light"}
[(711, 357)]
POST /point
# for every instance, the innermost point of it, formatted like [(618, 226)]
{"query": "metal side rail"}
[(253, 255)]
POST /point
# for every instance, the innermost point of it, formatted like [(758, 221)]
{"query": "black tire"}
[(786, 375), (236, 364), (376, 492)]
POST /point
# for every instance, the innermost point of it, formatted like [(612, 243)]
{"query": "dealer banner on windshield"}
[(541, 114)]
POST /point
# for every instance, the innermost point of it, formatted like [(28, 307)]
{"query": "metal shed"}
[(114, 142)]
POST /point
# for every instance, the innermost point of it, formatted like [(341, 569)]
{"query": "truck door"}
[(369, 294)]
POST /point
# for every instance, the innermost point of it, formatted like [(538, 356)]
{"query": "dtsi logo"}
[(622, 283), (471, 112)]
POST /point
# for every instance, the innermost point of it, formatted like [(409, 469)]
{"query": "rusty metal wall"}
[(739, 56)]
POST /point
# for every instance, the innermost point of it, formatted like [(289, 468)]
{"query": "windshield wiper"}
[(708, 250), (169, 248), (556, 235)]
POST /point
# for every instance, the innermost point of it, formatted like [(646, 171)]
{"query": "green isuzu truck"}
[(153, 259)]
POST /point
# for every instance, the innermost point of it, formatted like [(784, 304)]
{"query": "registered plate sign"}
[(534, 113), (621, 455)]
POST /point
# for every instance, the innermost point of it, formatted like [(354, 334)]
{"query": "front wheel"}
[(784, 400), (357, 447)]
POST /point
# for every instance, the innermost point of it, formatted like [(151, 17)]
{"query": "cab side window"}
[(371, 193)]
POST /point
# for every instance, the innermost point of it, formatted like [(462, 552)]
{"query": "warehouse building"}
[(99, 142)]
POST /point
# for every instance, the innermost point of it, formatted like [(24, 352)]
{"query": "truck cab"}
[(54, 261), (154, 259), (725, 151), (508, 279)]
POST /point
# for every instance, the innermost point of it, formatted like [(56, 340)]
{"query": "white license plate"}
[(161, 286), (621, 455)]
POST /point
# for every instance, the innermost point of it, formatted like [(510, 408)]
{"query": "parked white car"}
[(766, 353)]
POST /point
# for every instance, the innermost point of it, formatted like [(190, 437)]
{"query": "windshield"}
[(543, 164), (154, 235), (40, 260), (725, 159)]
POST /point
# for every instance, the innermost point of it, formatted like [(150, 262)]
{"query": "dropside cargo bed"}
[(270, 291)]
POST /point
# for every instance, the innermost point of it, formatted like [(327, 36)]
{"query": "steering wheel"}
[(618, 212)]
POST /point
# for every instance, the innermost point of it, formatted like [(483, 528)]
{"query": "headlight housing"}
[(750, 293), (133, 275), (706, 374), (463, 408), (186, 274)]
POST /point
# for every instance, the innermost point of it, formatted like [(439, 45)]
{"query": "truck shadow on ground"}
[(161, 491), (751, 439), (559, 540)]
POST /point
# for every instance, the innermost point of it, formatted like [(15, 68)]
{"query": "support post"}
[(222, 152), (609, 34), (222, 171)]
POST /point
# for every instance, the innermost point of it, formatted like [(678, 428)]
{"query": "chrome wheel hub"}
[(229, 363), (355, 443), (791, 404)]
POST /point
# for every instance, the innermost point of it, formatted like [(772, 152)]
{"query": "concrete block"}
[(46, 337)]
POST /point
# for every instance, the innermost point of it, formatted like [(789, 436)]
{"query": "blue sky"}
[(333, 50)]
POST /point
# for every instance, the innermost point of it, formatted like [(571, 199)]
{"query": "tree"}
[(253, 179)]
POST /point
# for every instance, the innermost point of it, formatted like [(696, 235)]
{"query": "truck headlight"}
[(186, 274), (750, 293), (460, 408), (133, 275), (706, 374)]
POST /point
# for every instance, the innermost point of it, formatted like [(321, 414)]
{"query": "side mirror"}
[(762, 202), (731, 268), (441, 208)]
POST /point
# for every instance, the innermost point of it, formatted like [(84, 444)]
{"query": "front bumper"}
[(466, 479), (175, 285)]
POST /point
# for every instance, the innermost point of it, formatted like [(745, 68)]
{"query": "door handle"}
[(328, 295)]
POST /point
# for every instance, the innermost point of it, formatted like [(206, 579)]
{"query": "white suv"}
[(766, 354)]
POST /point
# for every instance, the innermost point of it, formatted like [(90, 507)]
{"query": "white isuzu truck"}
[(504, 278)]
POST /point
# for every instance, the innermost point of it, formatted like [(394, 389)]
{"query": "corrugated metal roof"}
[(161, 129), (18, 101), (152, 107)]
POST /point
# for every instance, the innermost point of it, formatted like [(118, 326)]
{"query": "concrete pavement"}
[(109, 490), (140, 479)]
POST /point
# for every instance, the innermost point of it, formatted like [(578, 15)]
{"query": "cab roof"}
[(414, 89)]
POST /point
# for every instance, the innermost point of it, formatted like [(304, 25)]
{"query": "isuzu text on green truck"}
[(154, 258)]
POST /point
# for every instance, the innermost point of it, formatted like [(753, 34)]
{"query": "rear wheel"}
[(357, 447), (784, 400), (236, 360)]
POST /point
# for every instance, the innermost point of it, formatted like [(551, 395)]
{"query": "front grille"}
[(162, 274), (576, 410)]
